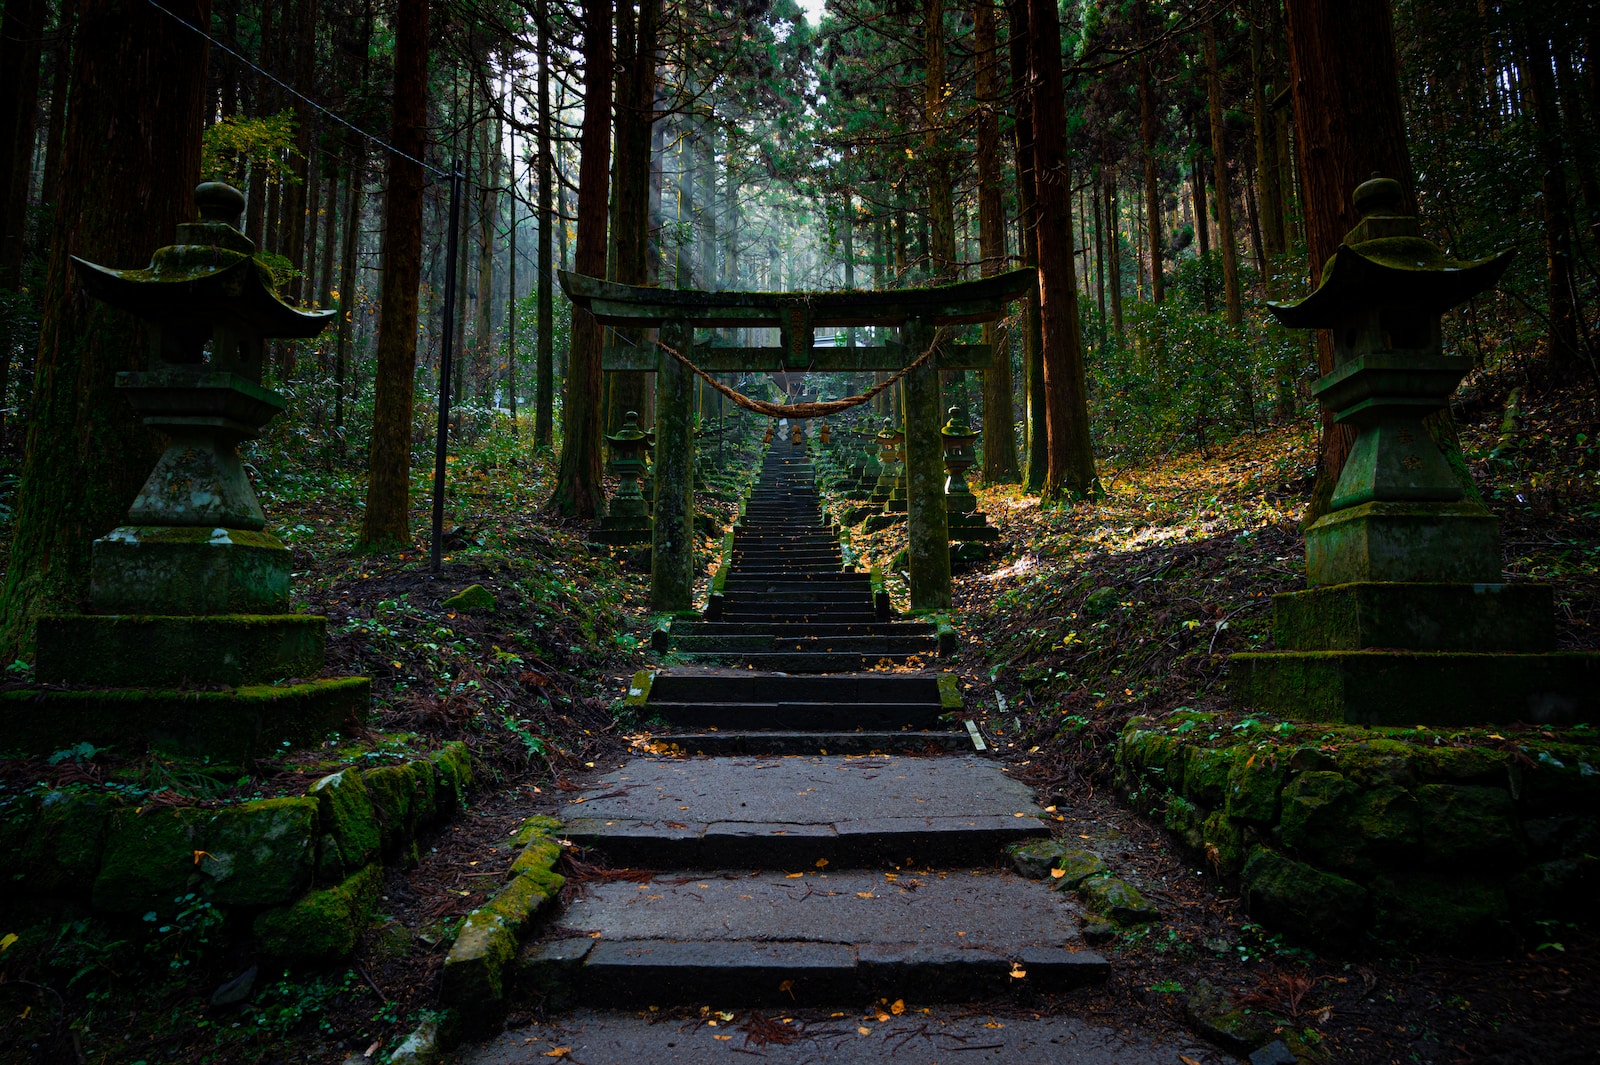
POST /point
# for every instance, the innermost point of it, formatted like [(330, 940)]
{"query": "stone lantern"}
[(890, 468), (628, 519), (966, 521), (192, 592), (1407, 619)]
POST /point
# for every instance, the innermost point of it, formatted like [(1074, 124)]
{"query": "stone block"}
[(259, 853), (1205, 775), (234, 727), (1441, 910), (144, 651), (1469, 826), (1416, 617), (345, 813), (1399, 541), (1403, 688), (149, 859), (162, 569), (1254, 784), (62, 854), (1305, 901), (1118, 900), (321, 926)]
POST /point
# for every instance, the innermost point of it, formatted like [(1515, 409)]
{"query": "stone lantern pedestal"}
[(888, 439), (1406, 619), (189, 644), (627, 521), (967, 522)]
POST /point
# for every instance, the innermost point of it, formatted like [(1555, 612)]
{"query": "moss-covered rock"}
[(1440, 910), (345, 812), (1282, 893), (1334, 823), (1035, 858), (1076, 866), (1466, 823), (1118, 900), (149, 858), (1223, 844), (424, 797), (321, 926), (453, 769), (1254, 784), (1563, 777), (392, 789), (473, 599), (62, 855), (1205, 775), (1460, 765), (260, 853), (1376, 762), (1186, 821), (1215, 1016)]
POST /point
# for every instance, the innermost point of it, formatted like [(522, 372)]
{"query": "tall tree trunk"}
[(488, 224), (1114, 235), (1266, 140), (130, 162), (511, 283), (1348, 126), (1219, 153), (1071, 473), (544, 357), (1561, 356), (1038, 436), (347, 281), (386, 523), (630, 240), (21, 40), (61, 47), (1099, 251), (999, 436), (578, 491), (1147, 134), (330, 227), (941, 211)]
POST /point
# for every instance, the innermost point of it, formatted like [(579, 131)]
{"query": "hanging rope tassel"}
[(805, 410)]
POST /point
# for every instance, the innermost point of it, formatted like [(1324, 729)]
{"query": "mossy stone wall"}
[(301, 871), (1453, 839)]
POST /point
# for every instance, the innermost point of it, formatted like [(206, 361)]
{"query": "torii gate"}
[(915, 312)]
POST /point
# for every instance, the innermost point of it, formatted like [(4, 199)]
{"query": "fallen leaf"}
[(559, 1052), (1187, 1060), (1057, 874), (881, 1017), (865, 895), (822, 863), (899, 1007), (793, 876), (722, 1037), (864, 1031), (993, 1024)]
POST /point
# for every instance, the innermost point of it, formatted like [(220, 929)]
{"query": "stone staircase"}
[(794, 863)]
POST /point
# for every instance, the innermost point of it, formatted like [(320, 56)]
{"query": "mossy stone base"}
[(259, 853), (321, 926), (234, 727), (621, 530), (1412, 542), (121, 650), (162, 569), (1417, 617), (972, 526), (1418, 688)]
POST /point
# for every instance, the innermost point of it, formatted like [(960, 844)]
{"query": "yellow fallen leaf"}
[(5, 944), (1018, 974), (822, 863), (793, 876), (993, 1024), (864, 1031), (559, 1052), (722, 1036), (865, 895), (1187, 1060), (1057, 874), (724, 1015), (899, 1007)]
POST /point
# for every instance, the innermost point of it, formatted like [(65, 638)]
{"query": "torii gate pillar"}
[(927, 522), (672, 544)]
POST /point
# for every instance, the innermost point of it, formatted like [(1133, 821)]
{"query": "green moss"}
[(1440, 910), (1185, 820), (452, 765), (1376, 762), (322, 926), (473, 599), (1254, 784), (425, 801), (1117, 899), (1076, 866), (1331, 821), (1285, 894), (1205, 775), (1223, 844), (1460, 765), (1462, 824), (1035, 858), (260, 853), (392, 788), (149, 858), (62, 853), (534, 827), (345, 812)]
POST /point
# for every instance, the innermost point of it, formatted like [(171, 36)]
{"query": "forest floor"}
[(535, 687)]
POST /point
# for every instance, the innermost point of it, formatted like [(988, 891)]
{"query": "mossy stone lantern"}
[(627, 519), (888, 439), (1398, 512), (628, 446), (193, 542), (966, 521), (1406, 619), (189, 643)]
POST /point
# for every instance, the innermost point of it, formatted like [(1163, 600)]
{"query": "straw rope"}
[(805, 410)]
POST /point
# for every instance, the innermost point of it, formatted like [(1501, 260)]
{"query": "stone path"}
[(797, 874)]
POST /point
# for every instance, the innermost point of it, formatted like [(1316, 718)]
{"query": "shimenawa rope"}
[(805, 410)]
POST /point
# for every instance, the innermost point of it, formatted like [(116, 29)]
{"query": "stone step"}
[(755, 613), (717, 643), (808, 662), (726, 742), (788, 630), (740, 686), (826, 938), (790, 813), (824, 583), (798, 598), (796, 716)]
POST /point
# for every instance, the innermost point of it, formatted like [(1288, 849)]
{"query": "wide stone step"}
[(824, 583), (726, 742), (796, 716), (756, 613), (812, 662), (736, 686), (826, 938), (792, 813), (795, 600), (717, 643), (784, 630)]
